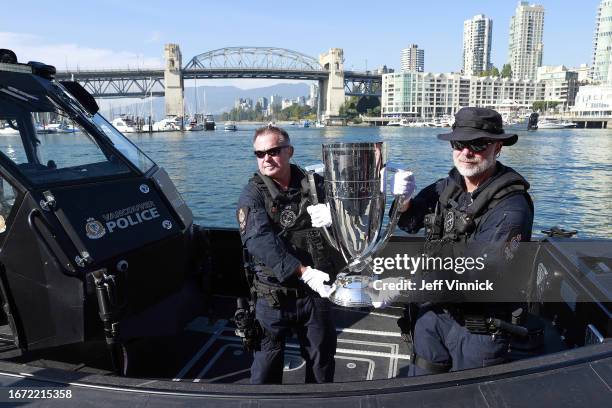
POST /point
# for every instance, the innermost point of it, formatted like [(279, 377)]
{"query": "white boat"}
[(554, 124), (6, 130), (194, 126), (394, 123), (44, 129), (444, 121), (167, 125), (230, 127), (319, 124), (124, 125), (567, 124), (421, 123), (63, 127)]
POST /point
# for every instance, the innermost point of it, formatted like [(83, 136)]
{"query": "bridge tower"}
[(173, 81), (332, 89)]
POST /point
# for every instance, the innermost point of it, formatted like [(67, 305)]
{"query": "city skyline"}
[(568, 34)]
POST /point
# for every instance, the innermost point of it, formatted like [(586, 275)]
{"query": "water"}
[(570, 170)]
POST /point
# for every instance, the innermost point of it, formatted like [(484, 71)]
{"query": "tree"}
[(543, 106), (506, 71), (493, 72)]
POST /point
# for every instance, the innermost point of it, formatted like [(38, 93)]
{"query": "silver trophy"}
[(355, 191)]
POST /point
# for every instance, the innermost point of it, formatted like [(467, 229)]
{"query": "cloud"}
[(29, 47)]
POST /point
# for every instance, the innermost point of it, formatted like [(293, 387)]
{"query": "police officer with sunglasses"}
[(289, 261), (482, 208)]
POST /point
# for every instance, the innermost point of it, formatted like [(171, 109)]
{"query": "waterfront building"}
[(423, 95), (601, 68), (477, 44), (433, 95), (413, 59), (593, 101), (526, 47), (560, 84), (504, 93), (300, 101)]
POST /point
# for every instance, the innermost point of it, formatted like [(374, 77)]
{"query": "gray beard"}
[(474, 169)]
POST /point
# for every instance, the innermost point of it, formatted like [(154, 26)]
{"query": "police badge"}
[(94, 229), (287, 218)]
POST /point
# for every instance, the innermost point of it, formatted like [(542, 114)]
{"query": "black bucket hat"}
[(477, 123)]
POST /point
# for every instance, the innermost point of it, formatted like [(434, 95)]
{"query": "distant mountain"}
[(211, 99)]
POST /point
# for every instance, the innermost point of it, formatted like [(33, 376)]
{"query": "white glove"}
[(320, 215), (315, 279), (386, 294), (404, 183)]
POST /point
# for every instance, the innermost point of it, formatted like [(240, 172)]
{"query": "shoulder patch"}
[(512, 246), (242, 214)]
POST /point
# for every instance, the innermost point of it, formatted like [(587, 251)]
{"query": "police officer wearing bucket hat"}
[(481, 207)]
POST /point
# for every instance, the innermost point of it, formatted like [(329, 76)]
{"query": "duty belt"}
[(267, 289)]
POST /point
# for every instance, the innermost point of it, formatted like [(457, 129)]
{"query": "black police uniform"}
[(276, 230), (492, 220)]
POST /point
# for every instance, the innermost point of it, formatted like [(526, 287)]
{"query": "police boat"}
[(110, 291)]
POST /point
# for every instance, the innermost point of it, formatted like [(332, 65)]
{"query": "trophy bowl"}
[(355, 190)]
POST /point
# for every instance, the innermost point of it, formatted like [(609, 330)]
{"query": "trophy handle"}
[(315, 200)]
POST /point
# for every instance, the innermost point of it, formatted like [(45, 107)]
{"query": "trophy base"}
[(351, 291)]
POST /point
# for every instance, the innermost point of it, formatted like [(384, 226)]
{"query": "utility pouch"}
[(316, 248)]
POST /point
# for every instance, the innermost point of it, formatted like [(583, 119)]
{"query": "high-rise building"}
[(413, 59), (526, 47), (275, 105), (477, 44), (313, 96), (601, 69), (263, 102)]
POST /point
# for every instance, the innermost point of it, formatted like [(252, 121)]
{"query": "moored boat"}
[(124, 124), (230, 126), (209, 122)]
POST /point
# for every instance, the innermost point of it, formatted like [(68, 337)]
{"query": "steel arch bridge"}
[(254, 58), (229, 62)]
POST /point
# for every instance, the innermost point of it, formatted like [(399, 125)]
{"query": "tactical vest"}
[(291, 222), (449, 224)]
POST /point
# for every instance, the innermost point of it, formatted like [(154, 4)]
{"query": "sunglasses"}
[(477, 145), (273, 152)]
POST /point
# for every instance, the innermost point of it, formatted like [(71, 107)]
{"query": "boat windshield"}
[(123, 144), (53, 141)]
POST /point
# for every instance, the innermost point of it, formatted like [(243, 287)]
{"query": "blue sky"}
[(117, 33)]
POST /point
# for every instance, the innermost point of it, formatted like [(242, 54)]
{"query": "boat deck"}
[(369, 348)]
